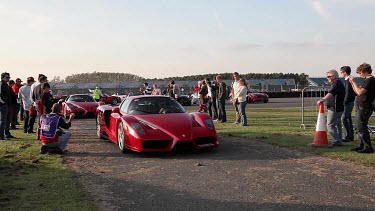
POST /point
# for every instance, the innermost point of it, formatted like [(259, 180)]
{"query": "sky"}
[(167, 38)]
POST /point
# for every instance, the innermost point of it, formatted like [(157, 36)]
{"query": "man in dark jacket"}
[(4, 100), (12, 107), (348, 105), (222, 95)]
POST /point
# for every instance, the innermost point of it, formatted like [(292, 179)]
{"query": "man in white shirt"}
[(235, 87), (24, 95)]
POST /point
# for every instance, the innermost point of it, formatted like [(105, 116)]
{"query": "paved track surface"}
[(241, 174)]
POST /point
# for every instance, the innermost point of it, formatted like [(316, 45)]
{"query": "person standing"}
[(148, 90), (240, 98), (47, 98), (175, 90), (363, 103), (96, 93), (156, 90), (16, 88), (12, 107), (222, 97), (335, 106), (346, 118), (24, 94), (235, 88), (4, 100)]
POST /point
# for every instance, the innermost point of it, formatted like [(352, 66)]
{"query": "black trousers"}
[(222, 113), (28, 122)]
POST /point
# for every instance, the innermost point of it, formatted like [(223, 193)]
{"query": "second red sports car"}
[(148, 123), (257, 97), (80, 104)]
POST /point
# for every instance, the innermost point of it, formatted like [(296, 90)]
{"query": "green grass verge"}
[(281, 126), (31, 181)]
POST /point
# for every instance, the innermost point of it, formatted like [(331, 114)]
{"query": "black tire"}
[(265, 101)]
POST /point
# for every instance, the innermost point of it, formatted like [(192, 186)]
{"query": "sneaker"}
[(4, 138), (43, 149), (10, 136), (236, 123), (366, 150), (215, 120), (336, 144), (357, 148)]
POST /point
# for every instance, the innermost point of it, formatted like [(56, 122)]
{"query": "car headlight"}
[(137, 127), (209, 124), (72, 107)]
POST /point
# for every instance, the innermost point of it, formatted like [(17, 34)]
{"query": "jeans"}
[(346, 120), (3, 119), (62, 142), (238, 117), (222, 113), (362, 116), (334, 126), (212, 109), (242, 113)]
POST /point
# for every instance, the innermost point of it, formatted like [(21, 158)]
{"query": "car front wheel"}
[(121, 137)]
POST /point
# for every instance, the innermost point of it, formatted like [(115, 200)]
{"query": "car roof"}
[(147, 96)]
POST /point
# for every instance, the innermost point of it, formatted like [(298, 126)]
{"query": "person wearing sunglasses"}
[(335, 106), (363, 106)]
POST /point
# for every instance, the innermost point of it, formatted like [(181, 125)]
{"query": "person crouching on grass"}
[(51, 134)]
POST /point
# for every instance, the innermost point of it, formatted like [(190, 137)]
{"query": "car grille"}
[(156, 144), (205, 140)]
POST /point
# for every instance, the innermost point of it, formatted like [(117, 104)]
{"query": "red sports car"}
[(147, 123), (80, 104), (108, 99), (256, 97)]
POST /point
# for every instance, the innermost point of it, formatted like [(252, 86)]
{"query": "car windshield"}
[(155, 105), (81, 98)]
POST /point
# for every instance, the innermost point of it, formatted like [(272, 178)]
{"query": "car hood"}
[(178, 125), (87, 106)]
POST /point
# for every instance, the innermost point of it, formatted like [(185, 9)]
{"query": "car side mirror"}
[(116, 110)]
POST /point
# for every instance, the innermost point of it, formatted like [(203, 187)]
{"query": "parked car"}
[(185, 100), (194, 98), (148, 123), (256, 97), (108, 99), (80, 104), (122, 97)]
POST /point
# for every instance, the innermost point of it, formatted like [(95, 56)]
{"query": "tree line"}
[(98, 77)]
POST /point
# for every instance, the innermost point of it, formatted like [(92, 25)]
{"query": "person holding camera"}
[(52, 136)]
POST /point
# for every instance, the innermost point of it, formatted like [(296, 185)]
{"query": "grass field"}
[(31, 181), (281, 127)]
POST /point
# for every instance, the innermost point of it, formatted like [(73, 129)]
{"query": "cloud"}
[(37, 22), (244, 46), (319, 8), (217, 18)]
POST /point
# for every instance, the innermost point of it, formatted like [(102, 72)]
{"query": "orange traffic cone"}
[(320, 139)]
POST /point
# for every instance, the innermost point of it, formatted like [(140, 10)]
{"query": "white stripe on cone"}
[(321, 123)]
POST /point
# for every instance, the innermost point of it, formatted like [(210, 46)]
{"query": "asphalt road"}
[(241, 174)]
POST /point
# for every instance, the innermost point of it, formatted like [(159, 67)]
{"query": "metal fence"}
[(310, 109)]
